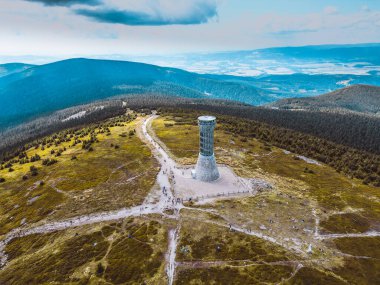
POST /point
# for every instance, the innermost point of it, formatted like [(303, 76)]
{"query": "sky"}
[(72, 28)]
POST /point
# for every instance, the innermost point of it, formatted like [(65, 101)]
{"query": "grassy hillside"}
[(345, 205), (356, 98), (65, 174), (106, 167)]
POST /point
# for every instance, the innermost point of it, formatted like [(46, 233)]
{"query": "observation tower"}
[(206, 169)]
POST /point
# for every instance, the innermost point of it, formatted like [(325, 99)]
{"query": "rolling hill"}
[(356, 98), (43, 89)]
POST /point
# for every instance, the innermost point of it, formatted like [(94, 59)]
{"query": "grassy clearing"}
[(208, 242), (359, 271), (259, 274), (345, 223), (57, 265), (188, 146), (363, 246), (28, 245), (137, 256), (207, 245), (100, 167), (306, 276), (364, 265), (124, 252), (26, 202)]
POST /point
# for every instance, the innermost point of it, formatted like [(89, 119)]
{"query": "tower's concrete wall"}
[(206, 169)]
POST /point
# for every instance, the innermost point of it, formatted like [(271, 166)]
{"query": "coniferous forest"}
[(347, 142)]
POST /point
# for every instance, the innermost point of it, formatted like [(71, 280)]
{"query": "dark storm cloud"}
[(202, 13), (67, 2)]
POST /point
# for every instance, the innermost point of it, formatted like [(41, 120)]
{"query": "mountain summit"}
[(356, 98)]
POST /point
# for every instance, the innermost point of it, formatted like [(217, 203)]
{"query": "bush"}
[(307, 170), (2, 179), (99, 270), (34, 170), (23, 160), (34, 158), (25, 177), (49, 161), (8, 165)]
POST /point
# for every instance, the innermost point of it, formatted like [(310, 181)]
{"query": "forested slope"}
[(356, 98), (349, 143)]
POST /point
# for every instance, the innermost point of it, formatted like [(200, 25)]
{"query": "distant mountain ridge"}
[(356, 98), (46, 88), (29, 91), (9, 68)]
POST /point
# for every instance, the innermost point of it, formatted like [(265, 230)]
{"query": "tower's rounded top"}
[(206, 118)]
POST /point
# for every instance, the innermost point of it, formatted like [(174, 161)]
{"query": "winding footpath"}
[(167, 202)]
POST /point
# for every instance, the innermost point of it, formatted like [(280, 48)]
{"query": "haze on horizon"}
[(38, 31)]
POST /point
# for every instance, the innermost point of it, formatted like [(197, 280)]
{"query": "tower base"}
[(206, 169)]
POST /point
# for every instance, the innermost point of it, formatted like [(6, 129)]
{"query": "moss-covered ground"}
[(118, 170), (129, 251)]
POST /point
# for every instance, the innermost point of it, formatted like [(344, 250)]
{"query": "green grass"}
[(259, 274), (310, 276), (17, 206), (130, 251), (361, 246), (359, 271), (58, 265), (345, 223), (106, 178), (27, 245), (299, 187), (208, 242), (253, 158)]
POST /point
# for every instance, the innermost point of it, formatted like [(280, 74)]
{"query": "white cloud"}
[(31, 28), (330, 10)]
